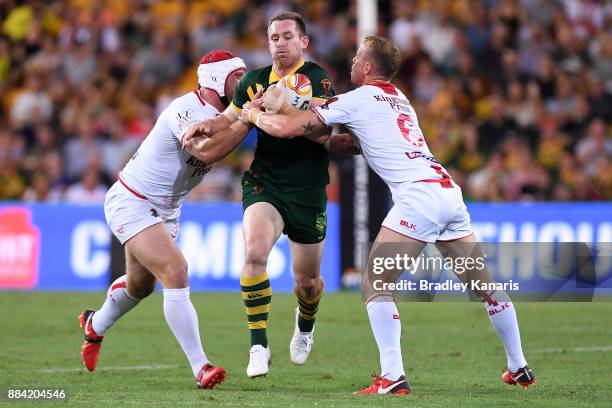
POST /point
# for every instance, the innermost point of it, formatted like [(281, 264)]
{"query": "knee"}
[(256, 254), (309, 286), (175, 274), (367, 290), (306, 283)]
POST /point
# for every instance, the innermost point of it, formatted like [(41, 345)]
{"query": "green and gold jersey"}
[(287, 164)]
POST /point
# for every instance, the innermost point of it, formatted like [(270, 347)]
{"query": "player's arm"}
[(210, 126), (219, 144), (340, 141), (273, 100), (229, 116), (302, 123)]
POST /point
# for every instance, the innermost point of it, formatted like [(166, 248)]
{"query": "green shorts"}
[(304, 212)]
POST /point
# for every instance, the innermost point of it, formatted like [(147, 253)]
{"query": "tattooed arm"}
[(303, 123)]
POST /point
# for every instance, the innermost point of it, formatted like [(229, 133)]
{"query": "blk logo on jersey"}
[(407, 224), (153, 212)]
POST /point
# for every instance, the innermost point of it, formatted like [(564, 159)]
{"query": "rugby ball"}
[(297, 90)]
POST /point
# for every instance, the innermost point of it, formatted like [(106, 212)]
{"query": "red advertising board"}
[(19, 249)]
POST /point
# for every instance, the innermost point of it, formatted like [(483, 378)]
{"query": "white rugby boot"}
[(301, 343), (259, 359)]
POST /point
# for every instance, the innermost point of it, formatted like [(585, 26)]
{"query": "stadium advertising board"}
[(67, 247)]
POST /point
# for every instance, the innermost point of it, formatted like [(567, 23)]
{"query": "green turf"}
[(451, 354)]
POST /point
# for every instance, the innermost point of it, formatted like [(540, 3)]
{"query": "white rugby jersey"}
[(161, 171), (386, 127)]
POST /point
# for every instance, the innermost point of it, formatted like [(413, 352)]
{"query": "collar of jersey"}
[(274, 76)]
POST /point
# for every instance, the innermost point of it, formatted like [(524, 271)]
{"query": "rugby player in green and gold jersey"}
[(283, 192)]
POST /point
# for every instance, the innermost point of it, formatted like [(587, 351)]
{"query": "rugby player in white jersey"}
[(142, 209), (428, 205)]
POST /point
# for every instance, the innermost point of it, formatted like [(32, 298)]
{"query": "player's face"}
[(231, 82), (286, 43), (358, 70)]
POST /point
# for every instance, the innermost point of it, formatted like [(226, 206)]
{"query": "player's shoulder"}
[(186, 109), (354, 94), (382, 87), (322, 86), (312, 68), (186, 100), (255, 75)]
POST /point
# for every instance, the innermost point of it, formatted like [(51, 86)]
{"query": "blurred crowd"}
[(514, 96)]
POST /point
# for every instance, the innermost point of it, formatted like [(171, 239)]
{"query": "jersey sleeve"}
[(177, 119), (322, 85), (340, 109), (241, 95)]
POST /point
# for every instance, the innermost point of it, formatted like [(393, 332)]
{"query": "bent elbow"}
[(209, 157), (205, 155)]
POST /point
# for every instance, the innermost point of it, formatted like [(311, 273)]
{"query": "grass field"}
[(452, 355)]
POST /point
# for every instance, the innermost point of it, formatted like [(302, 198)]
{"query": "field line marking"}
[(572, 349), (116, 368)]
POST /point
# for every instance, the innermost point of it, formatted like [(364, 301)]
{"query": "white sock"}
[(183, 320), (387, 329), (503, 317), (118, 302)]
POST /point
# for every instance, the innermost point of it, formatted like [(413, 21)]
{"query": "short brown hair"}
[(290, 15), (385, 54)]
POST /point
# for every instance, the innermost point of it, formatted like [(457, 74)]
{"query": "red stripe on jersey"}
[(131, 190), (444, 183), (387, 87), (199, 97)]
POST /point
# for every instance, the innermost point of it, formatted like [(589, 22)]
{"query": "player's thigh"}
[(468, 258), (458, 223), (140, 281), (413, 219), (306, 259), (305, 215), (262, 224), (389, 245), (157, 252)]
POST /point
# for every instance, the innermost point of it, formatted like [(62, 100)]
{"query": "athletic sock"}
[(387, 329), (118, 302), (503, 317), (308, 309), (257, 294), (182, 318)]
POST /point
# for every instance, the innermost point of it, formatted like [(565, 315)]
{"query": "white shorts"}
[(429, 212), (128, 213)]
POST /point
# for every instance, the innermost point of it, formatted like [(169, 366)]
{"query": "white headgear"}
[(215, 67)]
